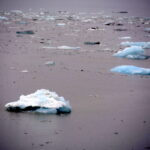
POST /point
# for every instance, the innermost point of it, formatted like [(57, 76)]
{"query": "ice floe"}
[(131, 70), (133, 52), (145, 45), (42, 101)]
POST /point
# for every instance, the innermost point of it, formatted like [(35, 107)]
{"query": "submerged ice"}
[(133, 52), (42, 101), (131, 70)]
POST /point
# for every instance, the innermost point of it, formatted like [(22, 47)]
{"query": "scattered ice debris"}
[(50, 63), (68, 47), (92, 43), (42, 101), (25, 32), (61, 24), (133, 52), (131, 70), (125, 38), (145, 45), (24, 71), (3, 18)]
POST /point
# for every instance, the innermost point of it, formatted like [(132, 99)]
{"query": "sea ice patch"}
[(131, 70), (42, 101)]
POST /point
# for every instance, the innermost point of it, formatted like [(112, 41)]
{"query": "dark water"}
[(134, 7)]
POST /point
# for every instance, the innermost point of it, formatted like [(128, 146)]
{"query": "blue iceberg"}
[(133, 52), (42, 101), (131, 70), (145, 45)]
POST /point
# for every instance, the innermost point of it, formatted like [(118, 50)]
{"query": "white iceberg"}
[(133, 52), (145, 45), (42, 101), (131, 70)]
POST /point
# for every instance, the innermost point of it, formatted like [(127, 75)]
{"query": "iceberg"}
[(42, 101), (131, 70), (133, 52), (145, 45)]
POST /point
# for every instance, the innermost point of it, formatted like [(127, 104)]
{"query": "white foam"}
[(44, 100)]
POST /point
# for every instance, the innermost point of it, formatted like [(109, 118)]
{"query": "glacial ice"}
[(145, 45), (133, 52), (42, 101), (131, 70)]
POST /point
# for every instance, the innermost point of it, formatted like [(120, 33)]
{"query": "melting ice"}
[(131, 70), (42, 101)]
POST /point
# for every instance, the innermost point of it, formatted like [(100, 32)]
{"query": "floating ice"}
[(125, 38), (50, 63), (61, 24), (3, 18), (145, 45), (131, 70), (24, 71), (133, 52), (68, 47), (42, 101)]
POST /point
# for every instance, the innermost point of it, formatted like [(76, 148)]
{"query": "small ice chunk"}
[(125, 38), (3, 18), (145, 45), (50, 63), (133, 52), (61, 24), (131, 70), (42, 101), (68, 47), (24, 71)]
